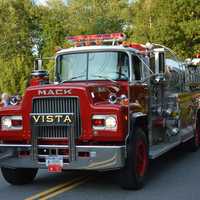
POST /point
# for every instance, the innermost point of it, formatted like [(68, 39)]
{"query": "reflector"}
[(54, 168)]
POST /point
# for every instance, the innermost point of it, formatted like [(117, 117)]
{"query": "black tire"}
[(194, 143), (130, 177), (18, 176)]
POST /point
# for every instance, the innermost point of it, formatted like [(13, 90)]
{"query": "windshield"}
[(93, 66)]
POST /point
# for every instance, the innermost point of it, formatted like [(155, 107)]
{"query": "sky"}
[(43, 2), (40, 2)]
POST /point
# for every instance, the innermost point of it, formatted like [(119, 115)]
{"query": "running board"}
[(160, 149), (187, 134)]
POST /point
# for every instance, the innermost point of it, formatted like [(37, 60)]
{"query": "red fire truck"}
[(113, 106)]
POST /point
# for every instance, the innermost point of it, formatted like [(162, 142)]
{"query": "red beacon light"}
[(197, 55), (96, 38), (138, 46)]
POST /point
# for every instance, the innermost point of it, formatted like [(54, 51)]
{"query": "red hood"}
[(96, 91)]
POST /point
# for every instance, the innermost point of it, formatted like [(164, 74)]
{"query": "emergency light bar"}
[(97, 37)]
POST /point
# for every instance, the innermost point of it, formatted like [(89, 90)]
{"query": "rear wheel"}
[(18, 176), (195, 141), (133, 174)]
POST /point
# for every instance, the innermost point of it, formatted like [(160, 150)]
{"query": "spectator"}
[(5, 99)]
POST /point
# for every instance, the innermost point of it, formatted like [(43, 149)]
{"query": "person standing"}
[(5, 99)]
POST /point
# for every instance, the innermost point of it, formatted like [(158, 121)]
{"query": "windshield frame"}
[(59, 56)]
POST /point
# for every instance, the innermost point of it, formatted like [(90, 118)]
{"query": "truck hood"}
[(94, 92)]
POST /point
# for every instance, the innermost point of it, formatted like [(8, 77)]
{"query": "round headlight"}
[(110, 122), (6, 122)]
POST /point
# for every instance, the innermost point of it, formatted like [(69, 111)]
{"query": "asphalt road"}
[(172, 177)]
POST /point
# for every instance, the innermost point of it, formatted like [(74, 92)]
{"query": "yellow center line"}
[(58, 187), (68, 188)]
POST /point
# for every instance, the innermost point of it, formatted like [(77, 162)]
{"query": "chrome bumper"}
[(100, 157)]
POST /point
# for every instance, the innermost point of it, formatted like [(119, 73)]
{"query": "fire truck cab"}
[(113, 106)]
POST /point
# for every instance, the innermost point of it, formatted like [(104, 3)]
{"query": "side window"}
[(173, 75), (145, 67), (137, 67), (192, 76), (152, 64)]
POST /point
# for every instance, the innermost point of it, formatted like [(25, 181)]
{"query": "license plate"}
[(54, 163)]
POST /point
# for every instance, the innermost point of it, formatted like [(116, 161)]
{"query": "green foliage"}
[(29, 30), (52, 26), (16, 43), (175, 23), (94, 16)]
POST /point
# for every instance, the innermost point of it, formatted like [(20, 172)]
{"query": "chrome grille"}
[(54, 132), (58, 105)]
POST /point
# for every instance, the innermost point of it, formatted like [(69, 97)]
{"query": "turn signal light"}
[(98, 122), (16, 122)]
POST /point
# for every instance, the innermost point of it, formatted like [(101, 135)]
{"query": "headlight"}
[(110, 122), (11, 123), (104, 122)]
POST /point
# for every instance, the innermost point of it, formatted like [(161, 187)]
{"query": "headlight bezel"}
[(7, 123), (107, 119)]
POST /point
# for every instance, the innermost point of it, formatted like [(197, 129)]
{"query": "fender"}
[(138, 119)]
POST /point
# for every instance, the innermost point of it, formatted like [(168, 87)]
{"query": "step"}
[(160, 149)]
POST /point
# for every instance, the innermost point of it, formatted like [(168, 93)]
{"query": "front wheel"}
[(133, 174), (18, 176)]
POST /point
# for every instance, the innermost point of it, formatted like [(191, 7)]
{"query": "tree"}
[(52, 29), (16, 57), (174, 23), (90, 17)]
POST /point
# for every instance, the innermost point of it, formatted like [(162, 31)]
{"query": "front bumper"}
[(101, 158)]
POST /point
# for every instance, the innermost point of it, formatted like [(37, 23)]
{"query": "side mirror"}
[(158, 79)]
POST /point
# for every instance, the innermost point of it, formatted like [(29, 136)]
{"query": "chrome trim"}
[(95, 49), (53, 146), (16, 145), (60, 146), (31, 114), (101, 158), (163, 149), (187, 139), (45, 156)]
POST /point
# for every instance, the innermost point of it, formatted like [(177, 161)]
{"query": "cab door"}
[(138, 95)]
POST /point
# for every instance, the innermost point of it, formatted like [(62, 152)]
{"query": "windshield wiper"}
[(106, 78), (75, 77), (122, 74)]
